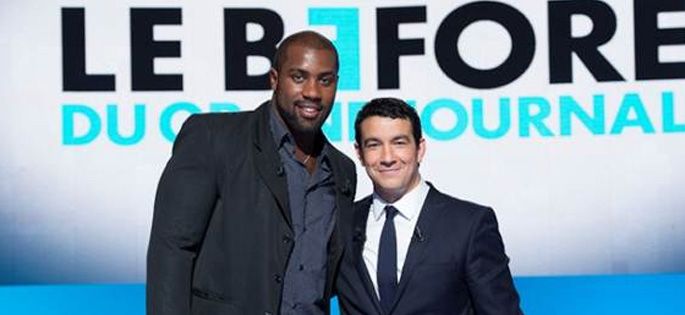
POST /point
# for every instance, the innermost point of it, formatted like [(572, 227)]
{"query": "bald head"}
[(309, 39)]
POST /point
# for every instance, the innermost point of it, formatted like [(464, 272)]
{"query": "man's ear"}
[(359, 154), (273, 78), (421, 150)]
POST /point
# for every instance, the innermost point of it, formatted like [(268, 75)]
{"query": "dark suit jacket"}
[(455, 264), (221, 233)]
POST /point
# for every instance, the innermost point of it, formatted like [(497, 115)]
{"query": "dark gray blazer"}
[(221, 233), (455, 264)]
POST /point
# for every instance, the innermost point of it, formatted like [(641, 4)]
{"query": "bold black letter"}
[(235, 56), (390, 47), (74, 77), (648, 38), (561, 44), (144, 50), (522, 44)]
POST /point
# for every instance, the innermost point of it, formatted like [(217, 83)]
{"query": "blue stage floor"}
[(578, 295)]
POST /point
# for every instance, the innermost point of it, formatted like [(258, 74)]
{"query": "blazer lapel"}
[(344, 215), (343, 201), (430, 213), (358, 240), (268, 162)]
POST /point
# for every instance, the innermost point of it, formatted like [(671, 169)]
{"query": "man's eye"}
[(297, 77), (325, 81)]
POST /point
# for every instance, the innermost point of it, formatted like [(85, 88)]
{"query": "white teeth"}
[(309, 112)]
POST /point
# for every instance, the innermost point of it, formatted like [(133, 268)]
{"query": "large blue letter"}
[(570, 107), (526, 119), (460, 125), (68, 112), (138, 126), (479, 119), (631, 101), (669, 114), (346, 21)]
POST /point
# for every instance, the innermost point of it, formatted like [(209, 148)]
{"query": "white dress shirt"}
[(409, 209)]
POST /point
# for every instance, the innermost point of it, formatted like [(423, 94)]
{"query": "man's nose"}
[(387, 156), (312, 90)]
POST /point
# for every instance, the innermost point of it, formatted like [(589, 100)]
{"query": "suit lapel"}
[(268, 162), (430, 213), (358, 240), (344, 215), (343, 200)]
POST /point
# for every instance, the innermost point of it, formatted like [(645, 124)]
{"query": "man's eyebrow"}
[(331, 73), (291, 70), (366, 141), (320, 75)]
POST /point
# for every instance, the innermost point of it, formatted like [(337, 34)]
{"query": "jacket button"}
[(278, 278), (286, 239)]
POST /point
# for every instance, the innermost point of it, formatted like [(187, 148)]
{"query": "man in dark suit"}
[(252, 207), (413, 249)]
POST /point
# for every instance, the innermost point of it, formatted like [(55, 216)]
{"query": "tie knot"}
[(390, 212)]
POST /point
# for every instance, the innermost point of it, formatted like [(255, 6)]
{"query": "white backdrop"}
[(596, 201)]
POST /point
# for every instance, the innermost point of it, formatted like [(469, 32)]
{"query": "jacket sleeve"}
[(185, 199), (487, 269)]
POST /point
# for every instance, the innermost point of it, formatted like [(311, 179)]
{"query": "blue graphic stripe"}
[(563, 295)]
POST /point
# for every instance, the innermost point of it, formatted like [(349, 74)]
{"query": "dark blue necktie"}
[(386, 275)]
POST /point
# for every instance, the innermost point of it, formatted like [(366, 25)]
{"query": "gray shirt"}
[(312, 208)]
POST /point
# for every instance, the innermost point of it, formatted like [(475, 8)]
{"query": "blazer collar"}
[(271, 170), (268, 162), (344, 191)]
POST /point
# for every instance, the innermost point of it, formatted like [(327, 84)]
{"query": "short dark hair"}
[(308, 38), (388, 107)]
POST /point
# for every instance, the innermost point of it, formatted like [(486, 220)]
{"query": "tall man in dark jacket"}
[(251, 209)]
